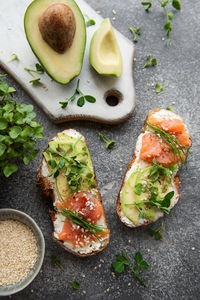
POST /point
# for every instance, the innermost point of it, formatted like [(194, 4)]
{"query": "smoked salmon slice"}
[(88, 208), (154, 146)]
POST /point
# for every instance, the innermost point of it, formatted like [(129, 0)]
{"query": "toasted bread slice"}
[(48, 186), (139, 164)]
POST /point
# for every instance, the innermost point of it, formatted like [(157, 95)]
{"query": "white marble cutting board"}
[(48, 95)]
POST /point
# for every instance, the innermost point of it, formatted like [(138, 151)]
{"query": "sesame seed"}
[(18, 251), (108, 289), (98, 12), (114, 18), (193, 248), (114, 12), (129, 284)]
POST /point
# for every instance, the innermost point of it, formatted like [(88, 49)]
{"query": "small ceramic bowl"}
[(20, 216)]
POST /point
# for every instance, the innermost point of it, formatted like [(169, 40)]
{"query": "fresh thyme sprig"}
[(75, 218), (177, 147)]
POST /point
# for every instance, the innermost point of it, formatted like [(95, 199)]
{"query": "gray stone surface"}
[(174, 271)]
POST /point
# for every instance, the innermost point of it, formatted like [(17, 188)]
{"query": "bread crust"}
[(176, 181), (48, 191)]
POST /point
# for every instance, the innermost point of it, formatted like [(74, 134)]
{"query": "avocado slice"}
[(105, 55), (138, 189), (59, 48), (74, 149)]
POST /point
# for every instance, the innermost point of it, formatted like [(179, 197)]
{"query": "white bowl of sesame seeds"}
[(22, 249)]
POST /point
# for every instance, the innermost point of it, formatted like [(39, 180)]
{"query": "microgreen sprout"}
[(56, 262), (81, 100), (109, 143), (169, 15), (159, 87), (150, 62), (122, 260), (157, 233), (18, 131), (38, 69), (147, 5), (89, 22), (15, 57), (135, 32)]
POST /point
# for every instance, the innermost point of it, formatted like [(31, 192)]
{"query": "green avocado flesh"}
[(61, 67), (77, 173), (105, 55), (139, 188)]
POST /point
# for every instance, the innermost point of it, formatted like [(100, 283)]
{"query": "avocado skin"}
[(26, 15)]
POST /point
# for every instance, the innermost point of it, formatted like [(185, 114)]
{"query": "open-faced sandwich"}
[(66, 174), (151, 185)]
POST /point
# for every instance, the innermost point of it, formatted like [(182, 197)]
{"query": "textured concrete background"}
[(174, 271)]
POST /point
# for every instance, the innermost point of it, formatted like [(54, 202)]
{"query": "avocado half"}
[(62, 67), (105, 55)]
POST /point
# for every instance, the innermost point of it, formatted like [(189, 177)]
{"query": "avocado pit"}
[(57, 26)]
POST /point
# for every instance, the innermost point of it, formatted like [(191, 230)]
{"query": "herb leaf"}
[(74, 284), (81, 101), (143, 265), (176, 4), (138, 188), (90, 99), (90, 22), (56, 262)]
